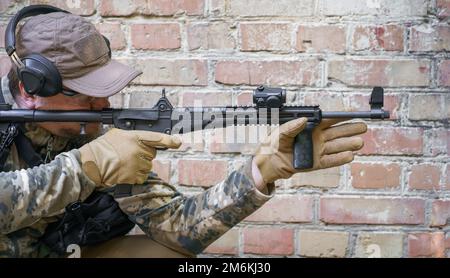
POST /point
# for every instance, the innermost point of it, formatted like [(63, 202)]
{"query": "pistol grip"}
[(303, 148)]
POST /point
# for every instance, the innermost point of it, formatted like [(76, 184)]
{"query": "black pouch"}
[(93, 221)]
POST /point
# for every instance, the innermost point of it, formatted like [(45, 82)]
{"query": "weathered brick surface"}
[(181, 72), (371, 210), (156, 36), (151, 7), (323, 244), (388, 73), (428, 107), (376, 38), (279, 73), (324, 52), (440, 213), (430, 38), (426, 245), (379, 245), (255, 37), (214, 35), (385, 7), (393, 141), (425, 176), (278, 241), (285, 208), (252, 8), (321, 39), (371, 175)]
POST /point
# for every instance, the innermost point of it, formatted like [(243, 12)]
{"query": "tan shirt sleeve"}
[(28, 195), (190, 224)]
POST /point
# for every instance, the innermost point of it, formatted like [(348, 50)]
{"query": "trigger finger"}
[(164, 141)]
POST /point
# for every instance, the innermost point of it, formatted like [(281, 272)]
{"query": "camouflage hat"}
[(79, 52)]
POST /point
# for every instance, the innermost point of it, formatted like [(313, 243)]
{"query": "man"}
[(74, 166)]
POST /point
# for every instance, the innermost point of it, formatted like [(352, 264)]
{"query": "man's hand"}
[(121, 156), (333, 146)]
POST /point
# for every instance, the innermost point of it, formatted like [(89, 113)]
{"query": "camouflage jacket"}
[(30, 198)]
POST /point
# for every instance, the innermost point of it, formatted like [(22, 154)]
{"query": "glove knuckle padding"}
[(118, 158)]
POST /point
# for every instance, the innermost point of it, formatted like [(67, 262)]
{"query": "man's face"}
[(63, 102)]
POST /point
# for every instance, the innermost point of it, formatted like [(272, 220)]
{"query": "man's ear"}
[(25, 100)]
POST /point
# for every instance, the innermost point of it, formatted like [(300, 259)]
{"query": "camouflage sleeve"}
[(190, 224), (27, 195)]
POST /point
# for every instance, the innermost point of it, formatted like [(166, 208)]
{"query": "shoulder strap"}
[(25, 149)]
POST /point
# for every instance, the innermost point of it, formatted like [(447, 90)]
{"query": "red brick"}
[(306, 72), (427, 107), (375, 38), (5, 64), (285, 208), (444, 73), (427, 245), (269, 241), (321, 39), (173, 72), (388, 73), (201, 172), (440, 213), (265, 36), (162, 168), (280, 8), (425, 177), (430, 38), (156, 36), (151, 7), (227, 244), (85, 7), (443, 8), (205, 99), (386, 8), (210, 35), (370, 210), (391, 103), (393, 141), (437, 142), (114, 33), (375, 175)]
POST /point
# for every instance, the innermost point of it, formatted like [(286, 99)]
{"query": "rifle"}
[(269, 108)]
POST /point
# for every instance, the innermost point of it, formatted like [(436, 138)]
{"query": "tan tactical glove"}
[(121, 156), (333, 146)]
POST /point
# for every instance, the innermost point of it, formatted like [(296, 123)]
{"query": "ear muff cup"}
[(40, 76)]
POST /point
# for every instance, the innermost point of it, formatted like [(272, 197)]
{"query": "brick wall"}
[(393, 200)]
